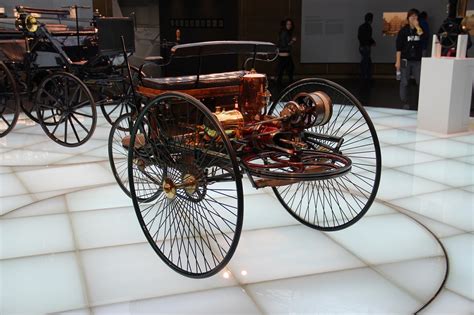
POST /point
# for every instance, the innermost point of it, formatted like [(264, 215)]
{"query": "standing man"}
[(409, 52), (285, 43), (365, 46)]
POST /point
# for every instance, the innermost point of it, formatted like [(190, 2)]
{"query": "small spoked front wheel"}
[(65, 109), (185, 184), (9, 101), (334, 202)]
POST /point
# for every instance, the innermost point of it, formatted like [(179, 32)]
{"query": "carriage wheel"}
[(65, 109), (118, 152), (121, 95), (9, 101), (181, 152), (336, 202)]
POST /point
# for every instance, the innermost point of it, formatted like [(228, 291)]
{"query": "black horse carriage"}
[(183, 157), (58, 73)]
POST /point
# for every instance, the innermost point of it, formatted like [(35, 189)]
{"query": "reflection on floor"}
[(70, 241)]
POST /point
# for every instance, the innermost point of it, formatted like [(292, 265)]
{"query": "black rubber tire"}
[(118, 154), (61, 97), (125, 103), (9, 101)]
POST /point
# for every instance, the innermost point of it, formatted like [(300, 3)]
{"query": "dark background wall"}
[(254, 20), (200, 20)]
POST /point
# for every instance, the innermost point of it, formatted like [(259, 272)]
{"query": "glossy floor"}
[(70, 241)]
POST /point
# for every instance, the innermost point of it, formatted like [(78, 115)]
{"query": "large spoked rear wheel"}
[(336, 202), (179, 151), (9, 101), (65, 109), (118, 98)]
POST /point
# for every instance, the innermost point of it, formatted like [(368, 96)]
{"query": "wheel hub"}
[(170, 188)]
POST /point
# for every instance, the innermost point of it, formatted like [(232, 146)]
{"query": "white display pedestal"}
[(445, 94)]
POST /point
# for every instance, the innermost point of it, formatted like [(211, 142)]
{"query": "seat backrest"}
[(254, 48), (109, 35)]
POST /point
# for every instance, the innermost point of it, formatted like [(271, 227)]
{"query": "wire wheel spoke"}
[(192, 223), (335, 202), (119, 96)]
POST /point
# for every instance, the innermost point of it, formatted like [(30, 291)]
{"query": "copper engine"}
[(250, 122)]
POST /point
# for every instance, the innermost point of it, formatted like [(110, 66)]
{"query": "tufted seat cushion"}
[(189, 81)]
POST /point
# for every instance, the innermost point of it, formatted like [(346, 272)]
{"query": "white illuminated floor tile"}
[(101, 132), (65, 177), (449, 303), (53, 193), (264, 255), (76, 312), (30, 157), (111, 227), (443, 147), (358, 291), (421, 277), (263, 211), (466, 159), (375, 114), (394, 156), (10, 203), (41, 284), (104, 197), (396, 121), (378, 208), (448, 172), (400, 136), (438, 228), (387, 239), (395, 184), (393, 111), (10, 185), (453, 207), (79, 159), (101, 152), (381, 127), (469, 138), (231, 300), (461, 274), (35, 236), (130, 272), (52, 205), (17, 140), (51, 146), (469, 188), (5, 169)]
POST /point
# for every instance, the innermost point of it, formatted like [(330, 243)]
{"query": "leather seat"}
[(189, 81), (12, 50)]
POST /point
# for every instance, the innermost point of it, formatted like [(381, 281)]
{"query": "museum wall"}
[(257, 21)]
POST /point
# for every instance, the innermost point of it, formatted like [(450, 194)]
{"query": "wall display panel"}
[(329, 27)]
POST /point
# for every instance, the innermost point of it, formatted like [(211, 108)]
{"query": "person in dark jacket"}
[(285, 43), (423, 18), (409, 53), (365, 46)]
